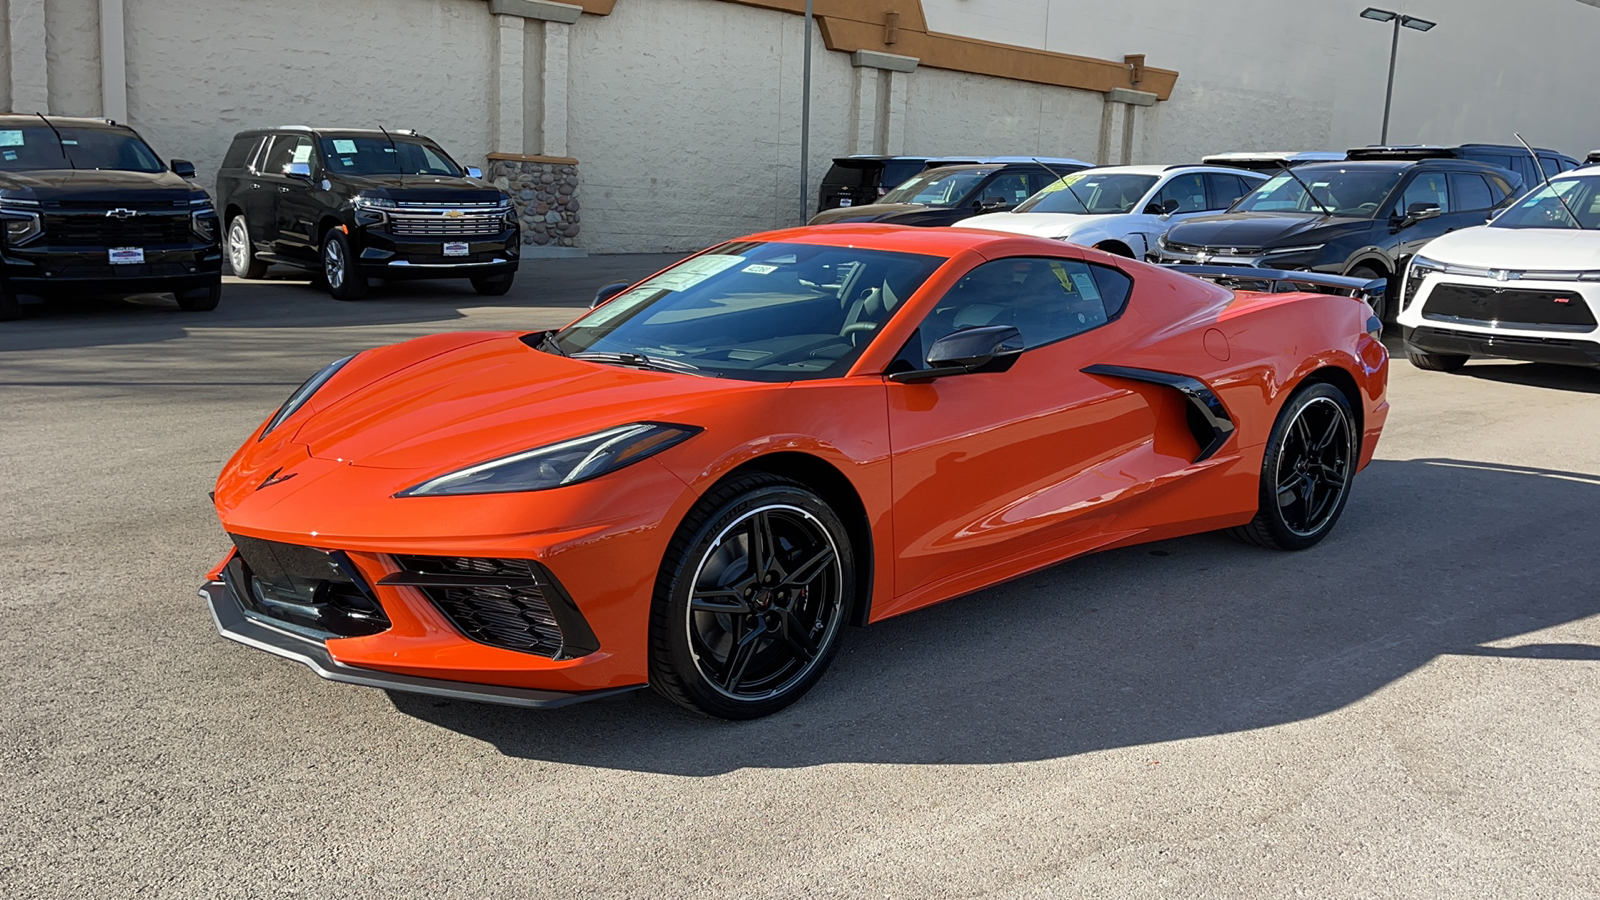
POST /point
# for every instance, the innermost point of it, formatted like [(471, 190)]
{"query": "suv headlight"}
[(203, 222), (1421, 267), (558, 465), (20, 221), (303, 393)]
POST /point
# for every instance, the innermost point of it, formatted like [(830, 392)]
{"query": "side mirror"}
[(609, 291), (298, 170), (992, 347), (1417, 212), (1154, 209), (183, 168), (1169, 206), (474, 172)]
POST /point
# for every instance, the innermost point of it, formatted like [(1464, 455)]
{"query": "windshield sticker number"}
[(343, 146), (8, 155), (10, 139), (759, 269)]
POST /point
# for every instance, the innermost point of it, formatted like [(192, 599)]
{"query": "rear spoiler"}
[(1280, 281)]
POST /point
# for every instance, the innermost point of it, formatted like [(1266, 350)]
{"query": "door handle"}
[(283, 190), (255, 184)]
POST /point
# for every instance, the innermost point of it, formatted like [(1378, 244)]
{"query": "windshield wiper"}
[(1289, 172), (548, 343), (1064, 183), (59, 142), (640, 361)]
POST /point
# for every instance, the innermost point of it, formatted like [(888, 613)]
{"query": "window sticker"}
[(1060, 271), (693, 272), (8, 155), (343, 146), (1061, 184), (10, 138), (302, 154), (346, 160), (1086, 286), (759, 269)]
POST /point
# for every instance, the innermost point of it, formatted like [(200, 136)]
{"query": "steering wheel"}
[(854, 327), (1367, 208)]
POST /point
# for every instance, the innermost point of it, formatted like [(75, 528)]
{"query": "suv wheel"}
[(493, 285), (339, 268), (242, 252), (1383, 305), (200, 299)]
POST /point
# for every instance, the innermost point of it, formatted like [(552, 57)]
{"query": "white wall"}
[(1310, 74), (950, 113), (200, 72)]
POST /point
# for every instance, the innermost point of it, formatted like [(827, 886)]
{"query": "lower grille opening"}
[(514, 604), (316, 591)]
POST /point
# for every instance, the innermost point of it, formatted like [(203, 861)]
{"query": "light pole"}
[(805, 125), (1389, 15)]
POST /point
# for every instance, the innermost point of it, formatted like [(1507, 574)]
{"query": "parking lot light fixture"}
[(1412, 22)]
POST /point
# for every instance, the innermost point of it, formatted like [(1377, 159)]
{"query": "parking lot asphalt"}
[(1411, 709)]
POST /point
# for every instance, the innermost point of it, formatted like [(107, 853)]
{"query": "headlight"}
[(511, 209), (303, 393), (557, 465), (1416, 273), (20, 227), (204, 224), (1286, 251), (373, 201)]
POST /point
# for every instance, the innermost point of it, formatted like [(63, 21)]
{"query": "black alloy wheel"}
[(340, 270), (242, 250), (1306, 471), (752, 599)]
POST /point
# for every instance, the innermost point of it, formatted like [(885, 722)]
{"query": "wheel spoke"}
[(763, 547), (810, 569), (1326, 440), (719, 600), (1303, 432), (794, 633), (739, 657)]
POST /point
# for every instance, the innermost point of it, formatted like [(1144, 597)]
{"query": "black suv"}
[(351, 204), (88, 208), (948, 194), (859, 180), (1506, 156), (1363, 219)]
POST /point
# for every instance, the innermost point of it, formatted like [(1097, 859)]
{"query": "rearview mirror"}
[(990, 348), (474, 172), (183, 168), (1422, 209), (298, 170), (609, 291)]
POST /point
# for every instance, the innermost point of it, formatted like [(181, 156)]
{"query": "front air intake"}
[(514, 604)]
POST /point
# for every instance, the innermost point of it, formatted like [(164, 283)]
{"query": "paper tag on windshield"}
[(10, 138), (759, 269), (342, 146), (692, 272)]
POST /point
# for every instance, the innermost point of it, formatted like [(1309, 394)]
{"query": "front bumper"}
[(236, 624), (1451, 342), (386, 255), (47, 270)]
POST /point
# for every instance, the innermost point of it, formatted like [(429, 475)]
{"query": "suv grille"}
[(1509, 308), (514, 604), (103, 205), (454, 220), (100, 230)]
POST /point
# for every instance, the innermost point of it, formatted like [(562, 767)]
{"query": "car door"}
[(1002, 190), (1184, 194), (993, 466), (266, 177), (1472, 197), (295, 212), (1423, 187)]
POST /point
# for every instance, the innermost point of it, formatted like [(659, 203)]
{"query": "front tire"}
[(493, 285), (200, 299), (242, 251), (10, 305), (752, 599), (1437, 362), (340, 270), (1387, 303), (1306, 471)]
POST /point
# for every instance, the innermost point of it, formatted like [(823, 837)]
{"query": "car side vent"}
[(514, 604), (1207, 418)]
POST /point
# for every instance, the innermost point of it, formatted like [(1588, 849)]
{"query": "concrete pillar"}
[(1119, 126), (507, 103), (886, 88), (30, 80), (113, 62), (553, 88), (864, 112)]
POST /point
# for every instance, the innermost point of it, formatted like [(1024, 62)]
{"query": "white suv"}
[(1122, 209)]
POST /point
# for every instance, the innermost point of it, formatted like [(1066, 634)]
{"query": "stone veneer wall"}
[(545, 191)]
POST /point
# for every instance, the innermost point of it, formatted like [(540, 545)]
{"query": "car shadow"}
[(1542, 375), (1185, 638)]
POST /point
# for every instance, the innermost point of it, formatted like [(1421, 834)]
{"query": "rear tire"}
[(1306, 471), (493, 285), (242, 250), (200, 299), (340, 270), (752, 599), (1437, 362), (1387, 303)]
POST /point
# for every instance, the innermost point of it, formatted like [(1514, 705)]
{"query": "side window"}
[(1009, 188), (286, 149), (1038, 181), (240, 151), (1223, 189), (1429, 187), (1471, 191), (1045, 299), (1551, 165), (1188, 190)]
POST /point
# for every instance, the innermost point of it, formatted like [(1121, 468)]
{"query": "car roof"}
[(309, 129), (942, 242), (942, 161), (1240, 156), (869, 157), (1436, 151), (1400, 165), (1159, 170), (70, 121)]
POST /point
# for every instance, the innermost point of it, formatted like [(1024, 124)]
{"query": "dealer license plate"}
[(846, 201), (457, 248), (126, 256)]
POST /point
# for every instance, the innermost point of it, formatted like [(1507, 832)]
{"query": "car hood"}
[(421, 188), (1250, 230), (46, 185), (872, 212), (1037, 224), (437, 404), (1540, 249)]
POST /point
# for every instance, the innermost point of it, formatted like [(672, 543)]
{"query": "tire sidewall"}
[(354, 285), (676, 583), (241, 270), (1271, 514)]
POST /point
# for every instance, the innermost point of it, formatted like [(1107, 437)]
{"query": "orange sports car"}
[(699, 483)]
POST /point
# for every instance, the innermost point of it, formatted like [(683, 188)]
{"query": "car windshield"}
[(376, 155), (36, 147), (1088, 192), (755, 311), (937, 187), (1543, 208), (1343, 192)]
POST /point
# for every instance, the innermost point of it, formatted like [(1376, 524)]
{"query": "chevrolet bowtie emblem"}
[(121, 213), (453, 214), (275, 479), (1500, 274)]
